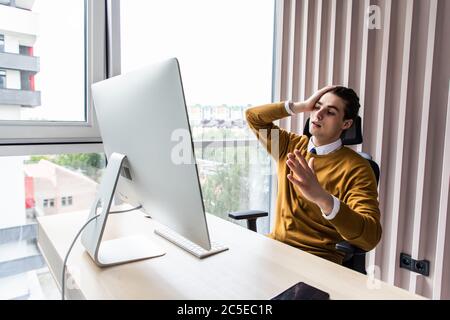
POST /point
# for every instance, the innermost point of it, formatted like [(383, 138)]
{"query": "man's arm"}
[(358, 218), (260, 120)]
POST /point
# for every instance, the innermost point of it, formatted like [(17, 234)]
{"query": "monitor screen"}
[(143, 115)]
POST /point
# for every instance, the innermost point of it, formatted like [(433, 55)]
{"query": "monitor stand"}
[(116, 251)]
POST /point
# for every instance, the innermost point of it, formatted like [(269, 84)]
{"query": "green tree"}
[(89, 164), (226, 190), (36, 159)]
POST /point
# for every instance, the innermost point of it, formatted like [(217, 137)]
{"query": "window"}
[(46, 109), (50, 92), (2, 79), (59, 77), (225, 54), (48, 203), (26, 51), (66, 201)]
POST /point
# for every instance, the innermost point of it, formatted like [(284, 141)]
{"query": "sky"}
[(224, 48)]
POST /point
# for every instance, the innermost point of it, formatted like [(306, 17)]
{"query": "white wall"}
[(18, 21), (12, 192), (13, 80)]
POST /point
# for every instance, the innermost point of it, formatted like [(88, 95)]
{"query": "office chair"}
[(355, 258)]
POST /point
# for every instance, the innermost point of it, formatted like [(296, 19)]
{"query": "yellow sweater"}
[(343, 173)]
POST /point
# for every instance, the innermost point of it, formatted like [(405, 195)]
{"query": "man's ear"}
[(347, 124)]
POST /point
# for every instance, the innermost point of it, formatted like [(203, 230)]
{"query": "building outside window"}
[(2, 79)]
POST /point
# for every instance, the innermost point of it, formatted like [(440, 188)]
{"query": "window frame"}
[(31, 137)]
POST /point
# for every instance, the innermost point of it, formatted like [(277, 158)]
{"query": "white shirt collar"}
[(326, 149)]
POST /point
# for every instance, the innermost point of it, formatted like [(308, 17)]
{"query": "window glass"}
[(225, 52), (36, 186), (46, 60)]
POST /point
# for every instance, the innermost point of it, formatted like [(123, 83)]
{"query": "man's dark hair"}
[(351, 100)]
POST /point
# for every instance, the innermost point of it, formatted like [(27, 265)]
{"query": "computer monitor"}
[(141, 116)]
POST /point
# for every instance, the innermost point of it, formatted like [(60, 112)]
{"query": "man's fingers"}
[(299, 175), (295, 167), (301, 160), (294, 160), (311, 165), (294, 181), (327, 88), (321, 92), (324, 90)]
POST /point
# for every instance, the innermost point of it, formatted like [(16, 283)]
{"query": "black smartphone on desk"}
[(302, 291)]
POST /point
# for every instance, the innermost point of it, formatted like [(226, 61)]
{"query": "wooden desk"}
[(255, 267)]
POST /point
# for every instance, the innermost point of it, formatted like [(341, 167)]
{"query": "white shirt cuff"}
[(286, 106), (334, 212)]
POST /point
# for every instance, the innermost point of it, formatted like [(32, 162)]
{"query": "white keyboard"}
[(188, 245)]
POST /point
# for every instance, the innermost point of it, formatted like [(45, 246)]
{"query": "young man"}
[(327, 193)]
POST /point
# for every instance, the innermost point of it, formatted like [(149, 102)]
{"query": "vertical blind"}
[(395, 55)]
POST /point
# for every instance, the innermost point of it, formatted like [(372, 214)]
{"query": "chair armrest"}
[(250, 216), (247, 214), (349, 249)]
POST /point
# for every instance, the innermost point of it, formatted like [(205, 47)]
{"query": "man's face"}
[(327, 119)]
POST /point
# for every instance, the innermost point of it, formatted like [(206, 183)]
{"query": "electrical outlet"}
[(405, 261), (418, 266), (422, 267)]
